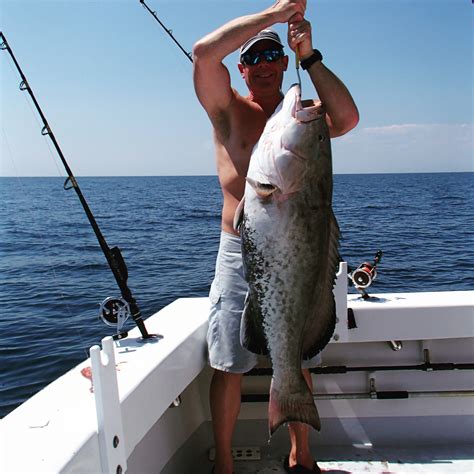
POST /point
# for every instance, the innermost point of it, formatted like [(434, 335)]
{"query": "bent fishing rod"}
[(189, 55), (113, 311), (170, 32)]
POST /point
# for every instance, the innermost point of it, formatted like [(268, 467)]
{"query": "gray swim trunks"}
[(227, 296)]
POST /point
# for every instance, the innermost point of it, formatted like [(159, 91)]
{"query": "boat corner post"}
[(341, 332), (109, 414)]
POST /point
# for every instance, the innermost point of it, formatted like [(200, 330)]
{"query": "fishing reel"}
[(115, 312), (364, 275)]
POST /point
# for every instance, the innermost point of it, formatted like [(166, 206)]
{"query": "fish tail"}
[(292, 406)]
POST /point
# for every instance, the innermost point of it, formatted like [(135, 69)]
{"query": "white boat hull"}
[(57, 429)]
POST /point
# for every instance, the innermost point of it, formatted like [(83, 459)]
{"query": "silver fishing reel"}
[(365, 274), (114, 312)]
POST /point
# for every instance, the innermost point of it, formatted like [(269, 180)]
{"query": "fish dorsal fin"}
[(263, 190)]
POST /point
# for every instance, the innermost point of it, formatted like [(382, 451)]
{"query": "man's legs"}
[(227, 296), (225, 406), (299, 437)]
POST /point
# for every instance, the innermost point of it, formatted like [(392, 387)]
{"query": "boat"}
[(394, 391)]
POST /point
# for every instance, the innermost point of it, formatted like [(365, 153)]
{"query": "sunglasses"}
[(270, 55)]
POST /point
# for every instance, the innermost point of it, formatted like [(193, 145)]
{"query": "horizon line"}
[(215, 175)]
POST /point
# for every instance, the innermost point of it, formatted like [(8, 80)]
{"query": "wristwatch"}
[(315, 57)]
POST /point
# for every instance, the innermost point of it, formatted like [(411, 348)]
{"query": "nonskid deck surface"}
[(387, 460)]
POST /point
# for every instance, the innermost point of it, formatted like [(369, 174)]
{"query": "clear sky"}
[(119, 97)]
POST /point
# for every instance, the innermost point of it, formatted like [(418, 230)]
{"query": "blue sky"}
[(118, 93)]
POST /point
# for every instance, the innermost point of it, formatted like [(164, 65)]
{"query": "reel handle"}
[(378, 257), (115, 312)]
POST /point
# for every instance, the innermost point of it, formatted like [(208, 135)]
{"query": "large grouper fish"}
[(290, 241)]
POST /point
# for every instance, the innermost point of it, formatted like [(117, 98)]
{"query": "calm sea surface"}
[(53, 274)]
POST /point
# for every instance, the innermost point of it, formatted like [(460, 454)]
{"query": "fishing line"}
[(44, 243), (40, 236), (113, 310), (189, 55), (53, 157), (297, 63)]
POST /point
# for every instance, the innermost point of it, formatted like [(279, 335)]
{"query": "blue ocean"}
[(53, 274)]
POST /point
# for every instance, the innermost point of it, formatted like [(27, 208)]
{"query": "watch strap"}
[(308, 62)]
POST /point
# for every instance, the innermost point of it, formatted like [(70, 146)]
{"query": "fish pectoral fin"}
[(252, 336), (262, 189), (239, 214)]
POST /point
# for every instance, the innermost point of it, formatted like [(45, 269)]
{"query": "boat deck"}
[(384, 456), (440, 451), (148, 410), (335, 460)]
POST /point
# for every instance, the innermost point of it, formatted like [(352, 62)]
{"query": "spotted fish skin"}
[(290, 241)]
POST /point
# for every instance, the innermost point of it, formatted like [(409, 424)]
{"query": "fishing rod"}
[(113, 311), (170, 32)]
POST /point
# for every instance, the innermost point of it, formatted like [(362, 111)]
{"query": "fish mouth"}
[(305, 111)]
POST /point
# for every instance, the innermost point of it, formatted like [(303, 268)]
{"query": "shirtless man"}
[(238, 123)]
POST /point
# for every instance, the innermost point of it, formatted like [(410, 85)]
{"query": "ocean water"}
[(53, 274)]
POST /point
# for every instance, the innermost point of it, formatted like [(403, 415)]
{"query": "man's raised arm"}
[(211, 77), (341, 112)]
